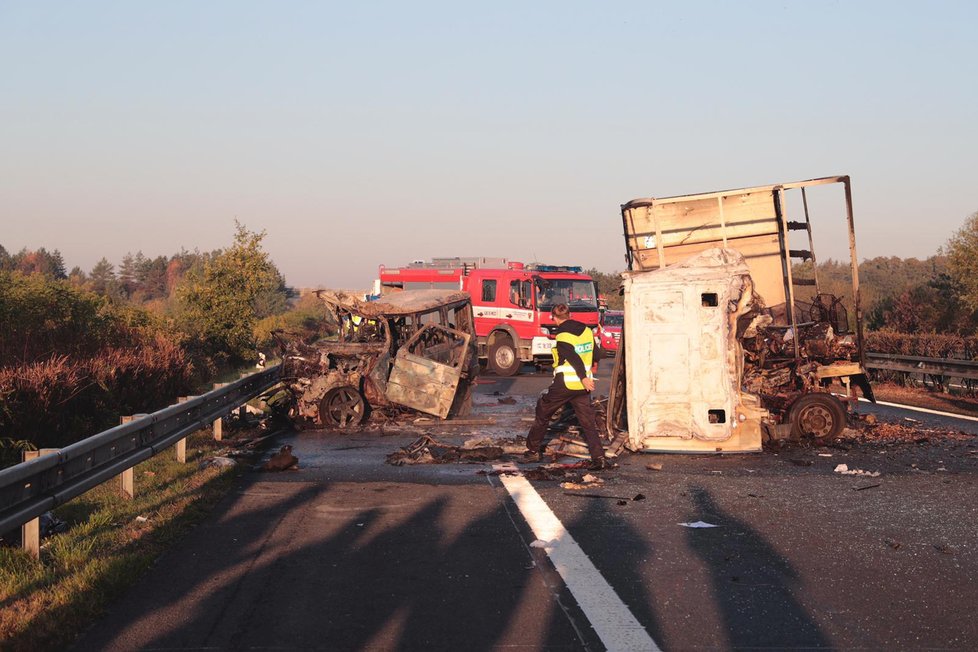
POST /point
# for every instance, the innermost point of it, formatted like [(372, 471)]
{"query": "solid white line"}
[(920, 409), (612, 621)]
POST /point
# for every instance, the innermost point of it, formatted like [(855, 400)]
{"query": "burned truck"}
[(725, 344), (413, 349)]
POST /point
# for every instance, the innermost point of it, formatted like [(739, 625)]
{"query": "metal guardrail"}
[(913, 364), (31, 488)]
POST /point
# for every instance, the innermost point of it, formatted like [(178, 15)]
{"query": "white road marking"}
[(612, 621), (920, 409)]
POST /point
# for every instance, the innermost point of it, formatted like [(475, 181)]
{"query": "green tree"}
[(608, 287), (103, 280), (42, 261), (962, 259), (220, 301)]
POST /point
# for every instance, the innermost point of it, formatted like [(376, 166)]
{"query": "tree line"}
[(79, 348)]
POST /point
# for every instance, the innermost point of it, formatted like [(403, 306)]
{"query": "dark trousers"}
[(553, 400)]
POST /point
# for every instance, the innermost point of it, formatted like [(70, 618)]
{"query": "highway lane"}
[(351, 553)]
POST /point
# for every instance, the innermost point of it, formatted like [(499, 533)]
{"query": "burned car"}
[(413, 349)]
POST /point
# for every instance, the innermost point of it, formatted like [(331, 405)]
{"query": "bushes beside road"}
[(928, 345)]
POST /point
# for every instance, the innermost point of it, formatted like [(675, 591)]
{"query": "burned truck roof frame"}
[(752, 220)]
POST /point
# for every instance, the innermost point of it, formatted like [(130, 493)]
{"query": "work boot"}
[(532, 457), (600, 464)]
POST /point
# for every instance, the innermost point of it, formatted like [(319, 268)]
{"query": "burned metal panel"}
[(408, 302), (428, 369), (684, 360)]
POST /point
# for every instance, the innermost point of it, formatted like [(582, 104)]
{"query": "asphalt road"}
[(350, 553)]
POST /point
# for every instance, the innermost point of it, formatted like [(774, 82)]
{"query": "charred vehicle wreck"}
[(727, 340), (412, 349)]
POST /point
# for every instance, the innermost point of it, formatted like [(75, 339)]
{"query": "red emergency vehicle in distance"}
[(511, 302)]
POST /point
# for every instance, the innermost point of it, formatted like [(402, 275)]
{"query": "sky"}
[(367, 133)]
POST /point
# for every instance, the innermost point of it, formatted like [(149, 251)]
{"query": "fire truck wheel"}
[(817, 415), (342, 407), (502, 356)]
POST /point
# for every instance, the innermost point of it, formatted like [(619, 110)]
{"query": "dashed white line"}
[(612, 621)]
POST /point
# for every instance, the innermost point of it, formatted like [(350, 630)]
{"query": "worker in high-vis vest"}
[(573, 383)]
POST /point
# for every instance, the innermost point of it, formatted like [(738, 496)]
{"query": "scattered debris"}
[(506, 471), (219, 462), (825, 454), (845, 470), (893, 544), (509, 444), (698, 524), (654, 467), (49, 524), (428, 450), (621, 499), (507, 400), (141, 519), (943, 548), (550, 472), (149, 474), (282, 460), (868, 486)]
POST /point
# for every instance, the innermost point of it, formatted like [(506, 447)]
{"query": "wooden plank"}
[(747, 212)]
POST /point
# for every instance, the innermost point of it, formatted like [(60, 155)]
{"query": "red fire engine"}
[(511, 302)]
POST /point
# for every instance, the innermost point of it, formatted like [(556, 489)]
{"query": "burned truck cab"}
[(413, 349), (759, 349)]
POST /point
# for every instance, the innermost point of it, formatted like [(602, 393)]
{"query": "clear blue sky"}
[(367, 133)]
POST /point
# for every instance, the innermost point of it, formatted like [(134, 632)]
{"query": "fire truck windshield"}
[(579, 295)]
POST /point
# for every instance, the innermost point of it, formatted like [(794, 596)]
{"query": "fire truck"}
[(511, 301)]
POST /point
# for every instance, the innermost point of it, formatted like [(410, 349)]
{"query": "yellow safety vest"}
[(584, 346)]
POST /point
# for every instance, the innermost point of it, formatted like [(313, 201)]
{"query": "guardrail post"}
[(218, 423), (30, 532), (127, 484), (182, 444)]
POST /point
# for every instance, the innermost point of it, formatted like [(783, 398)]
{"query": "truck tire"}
[(503, 358), (817, 415)]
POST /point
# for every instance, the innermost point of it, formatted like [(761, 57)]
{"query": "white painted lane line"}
[(612, 621), (924, 410)]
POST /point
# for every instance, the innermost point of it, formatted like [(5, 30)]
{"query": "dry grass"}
[(45, 603)]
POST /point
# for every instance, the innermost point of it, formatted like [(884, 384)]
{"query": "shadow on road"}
[(297, 573), (754, 586)]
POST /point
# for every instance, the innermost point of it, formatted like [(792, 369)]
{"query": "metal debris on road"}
[(428, 450), (283, 460), (698, 524), (845, 470)]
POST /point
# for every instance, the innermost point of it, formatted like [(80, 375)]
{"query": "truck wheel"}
[(502, 356), (342, 407), (817, 415)]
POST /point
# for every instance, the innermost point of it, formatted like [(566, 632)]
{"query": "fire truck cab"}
[(511, 302)]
